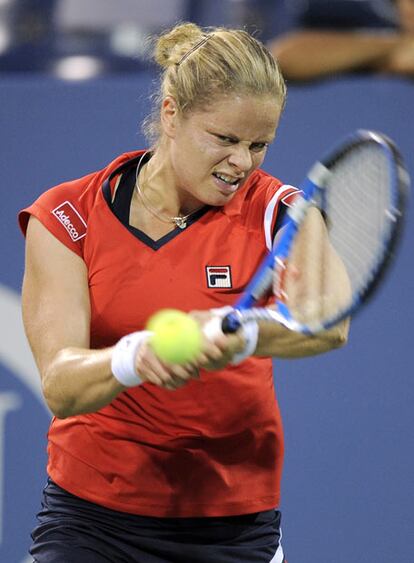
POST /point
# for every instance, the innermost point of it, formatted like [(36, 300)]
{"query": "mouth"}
[(227, 183)]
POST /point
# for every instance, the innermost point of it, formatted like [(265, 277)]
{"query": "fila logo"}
[(71, 220), (218, 276)]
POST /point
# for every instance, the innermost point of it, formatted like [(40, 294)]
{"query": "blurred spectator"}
[(341, 36), (123, 24), (78, 39)]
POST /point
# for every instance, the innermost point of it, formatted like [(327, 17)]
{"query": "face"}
[(213, 152), (406, 14)]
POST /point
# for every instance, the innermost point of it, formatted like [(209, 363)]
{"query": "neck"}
[(161, 188)]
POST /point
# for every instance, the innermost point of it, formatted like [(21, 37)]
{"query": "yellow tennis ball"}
[(176, 337)]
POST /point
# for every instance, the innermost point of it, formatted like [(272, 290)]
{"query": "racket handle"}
[(231, 323)]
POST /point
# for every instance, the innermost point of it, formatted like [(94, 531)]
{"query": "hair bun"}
[(173, 44)]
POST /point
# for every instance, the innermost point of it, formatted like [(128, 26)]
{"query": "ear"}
[(169, 116)]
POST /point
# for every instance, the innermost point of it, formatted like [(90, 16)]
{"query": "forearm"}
[(79, 381), (308, 55), (277, 341)]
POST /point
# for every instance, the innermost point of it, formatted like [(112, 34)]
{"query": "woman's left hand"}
[(219, 348)]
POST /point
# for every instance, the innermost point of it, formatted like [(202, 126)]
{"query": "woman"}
[(138, 472)]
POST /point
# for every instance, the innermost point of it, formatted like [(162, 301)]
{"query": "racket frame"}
[(312, 188)]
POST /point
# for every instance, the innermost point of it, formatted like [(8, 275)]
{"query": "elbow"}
[(60, 413), (340, 340), (338, 335), (59, 405), (56, 406)]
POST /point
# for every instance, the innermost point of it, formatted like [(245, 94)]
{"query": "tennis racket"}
[(336, 242)]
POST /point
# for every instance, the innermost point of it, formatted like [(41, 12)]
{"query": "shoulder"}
[(263, 190), (64, 209), (79, 194), (262, 204)]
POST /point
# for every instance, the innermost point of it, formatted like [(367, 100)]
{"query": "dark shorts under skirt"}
[(72, 530)]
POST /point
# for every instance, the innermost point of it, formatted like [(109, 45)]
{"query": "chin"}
[(221, 200)]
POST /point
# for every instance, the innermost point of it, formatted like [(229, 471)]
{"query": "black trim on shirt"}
[(281, 215), (121, 205)]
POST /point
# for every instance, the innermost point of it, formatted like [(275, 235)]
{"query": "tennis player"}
[(153, 462)]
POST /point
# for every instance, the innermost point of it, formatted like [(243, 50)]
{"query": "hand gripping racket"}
[(325, 265)]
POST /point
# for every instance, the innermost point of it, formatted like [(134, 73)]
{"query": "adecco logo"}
[(66, 214), (15, 355)]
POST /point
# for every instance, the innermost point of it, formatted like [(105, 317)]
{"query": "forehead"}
[(246, 117)]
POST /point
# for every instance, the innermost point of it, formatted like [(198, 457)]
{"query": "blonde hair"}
[(201, 65)]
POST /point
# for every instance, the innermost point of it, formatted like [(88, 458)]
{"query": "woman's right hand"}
[(215, 354), (170, 376)]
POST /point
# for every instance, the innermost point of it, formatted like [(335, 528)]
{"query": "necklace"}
[(179, 221)]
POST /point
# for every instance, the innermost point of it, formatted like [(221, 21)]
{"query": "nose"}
[(240, 158)]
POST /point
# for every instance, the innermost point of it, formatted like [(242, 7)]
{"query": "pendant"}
[(180, 222)]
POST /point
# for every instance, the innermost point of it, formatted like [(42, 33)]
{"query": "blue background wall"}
[(348, 482)]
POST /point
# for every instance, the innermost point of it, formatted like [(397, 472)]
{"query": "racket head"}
[(325, 272), (399, 191)]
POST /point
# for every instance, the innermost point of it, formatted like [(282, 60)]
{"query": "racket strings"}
[(337, 262), (356, 203)]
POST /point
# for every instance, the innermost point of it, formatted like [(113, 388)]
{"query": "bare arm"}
[(317, 285), (56, 315), (401, 59), (280, 342), (307, 55)]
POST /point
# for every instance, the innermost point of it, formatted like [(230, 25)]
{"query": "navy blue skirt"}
[(72, 530)]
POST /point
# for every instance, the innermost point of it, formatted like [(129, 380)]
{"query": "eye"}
[(226, 140), (258, 147)]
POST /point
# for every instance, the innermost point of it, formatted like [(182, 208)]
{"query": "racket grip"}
[(231, 323)]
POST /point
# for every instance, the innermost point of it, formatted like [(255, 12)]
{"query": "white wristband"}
[(123, 358), (250, 333)]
